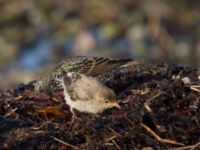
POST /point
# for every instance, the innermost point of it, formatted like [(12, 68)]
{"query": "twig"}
[(191, 147), (197, 122), (196, 86), (112, 130), (11, 112), (67, 144), (195, 146), (178, 76), (115, 143), (55, 99), (109, 144), (146, 105), (18, 97), (148, 108), (182, 148), (155, 96), (194, 89), (129, 120), (110, 138), (159, 138)]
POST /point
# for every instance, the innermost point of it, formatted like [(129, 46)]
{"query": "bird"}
[(90, 66), (86, 94), (76, 77)]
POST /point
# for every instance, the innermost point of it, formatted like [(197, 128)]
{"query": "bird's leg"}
[(74, 116)]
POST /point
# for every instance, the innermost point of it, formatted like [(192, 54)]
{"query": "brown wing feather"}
[(91, 66), (100, 65)]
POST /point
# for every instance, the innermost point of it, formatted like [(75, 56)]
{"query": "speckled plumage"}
[(90, 66)]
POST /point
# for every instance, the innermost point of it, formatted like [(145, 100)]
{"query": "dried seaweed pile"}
[(160, 110)]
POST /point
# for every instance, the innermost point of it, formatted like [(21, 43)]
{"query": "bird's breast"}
[(83, 105)]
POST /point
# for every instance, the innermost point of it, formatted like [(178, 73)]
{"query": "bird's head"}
[(108, 99), (112, 104)]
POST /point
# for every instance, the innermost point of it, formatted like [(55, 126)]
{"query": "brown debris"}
[(155, 103), (168, 141)]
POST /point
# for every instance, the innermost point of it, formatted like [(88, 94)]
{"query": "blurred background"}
[(37, 34)]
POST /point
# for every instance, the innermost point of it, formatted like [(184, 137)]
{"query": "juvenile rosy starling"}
[(76, 76)]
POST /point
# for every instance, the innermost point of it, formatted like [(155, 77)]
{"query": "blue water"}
[(35, 56)]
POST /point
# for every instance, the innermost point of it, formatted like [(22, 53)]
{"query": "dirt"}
[(160, 110)]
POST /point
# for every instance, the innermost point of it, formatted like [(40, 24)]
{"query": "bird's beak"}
[(114, 104)]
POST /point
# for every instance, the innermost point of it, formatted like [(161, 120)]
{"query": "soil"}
[(160, 109)]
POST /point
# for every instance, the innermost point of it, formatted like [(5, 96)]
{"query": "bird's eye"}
[(106, 101)]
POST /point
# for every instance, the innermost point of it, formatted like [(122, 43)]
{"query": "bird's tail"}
[(125, 62), (103, 65), (133, 63), (119, 61)]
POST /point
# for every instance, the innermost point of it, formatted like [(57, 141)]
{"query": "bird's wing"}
[(55, 82), (92, 66)]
